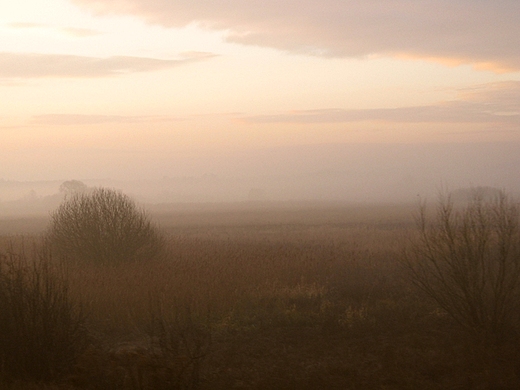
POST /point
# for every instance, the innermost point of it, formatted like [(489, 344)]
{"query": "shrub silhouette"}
[(468, 262), (72, 186), (42, 331), (103, 226)]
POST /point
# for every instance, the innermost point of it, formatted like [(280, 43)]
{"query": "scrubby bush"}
[(103, 226), (468, 262), (42, 331)]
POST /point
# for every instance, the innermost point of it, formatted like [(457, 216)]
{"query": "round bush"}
[(103, 226)]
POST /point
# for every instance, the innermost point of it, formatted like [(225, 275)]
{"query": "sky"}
[(147, 89)]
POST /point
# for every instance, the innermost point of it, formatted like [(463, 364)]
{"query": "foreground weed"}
[(41, 329)]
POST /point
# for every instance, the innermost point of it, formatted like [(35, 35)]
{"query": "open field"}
[(267, 296)]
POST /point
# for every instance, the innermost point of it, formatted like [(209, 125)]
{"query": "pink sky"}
[(93, 89)]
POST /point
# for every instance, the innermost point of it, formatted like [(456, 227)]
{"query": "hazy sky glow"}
[(99, 88)]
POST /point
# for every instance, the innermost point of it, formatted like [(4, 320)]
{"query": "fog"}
[(342, 172)]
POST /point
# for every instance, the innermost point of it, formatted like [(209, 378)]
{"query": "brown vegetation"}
[(42, 328), (102, 226), (468, 262), (313, 303)]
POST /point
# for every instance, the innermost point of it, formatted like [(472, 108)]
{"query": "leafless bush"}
[(468, 262), (182, 341), (103, 226), (41, 329)]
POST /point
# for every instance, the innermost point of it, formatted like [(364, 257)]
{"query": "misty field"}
[(253, 296)]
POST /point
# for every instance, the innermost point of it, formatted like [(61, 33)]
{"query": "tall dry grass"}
[(273, 300), (42, 329), (229, 275), (218, 269)]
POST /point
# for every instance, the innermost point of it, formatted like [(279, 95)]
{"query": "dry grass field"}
[(264, 296)]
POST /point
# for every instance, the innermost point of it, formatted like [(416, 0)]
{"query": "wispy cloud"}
[(500, 96), (483, 33), (443, 113), (78, 120), (79, 32), (76, 32), (97, 119), (491, 103), (25, 25), (31, 65)]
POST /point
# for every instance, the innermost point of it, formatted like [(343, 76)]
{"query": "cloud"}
[(10, 83), (90, 119), (443, 113), (75, 32), (25, 25), (31, 65), (483, 33), (79, 32), (500, 96), (78, 119), (489, 103)]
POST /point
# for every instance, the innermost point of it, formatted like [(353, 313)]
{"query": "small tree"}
[(72, 186), (468, 262), (103, 226), (42, 330)]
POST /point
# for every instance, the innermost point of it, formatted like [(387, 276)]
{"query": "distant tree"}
[(468, 261), (103, 226), (70, 187)]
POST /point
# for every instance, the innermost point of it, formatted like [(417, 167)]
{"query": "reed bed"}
[(304, 298)]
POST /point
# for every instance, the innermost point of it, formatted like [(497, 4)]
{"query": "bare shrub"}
[(182, 343), (468, 262), (41, 329), (103, 226)]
